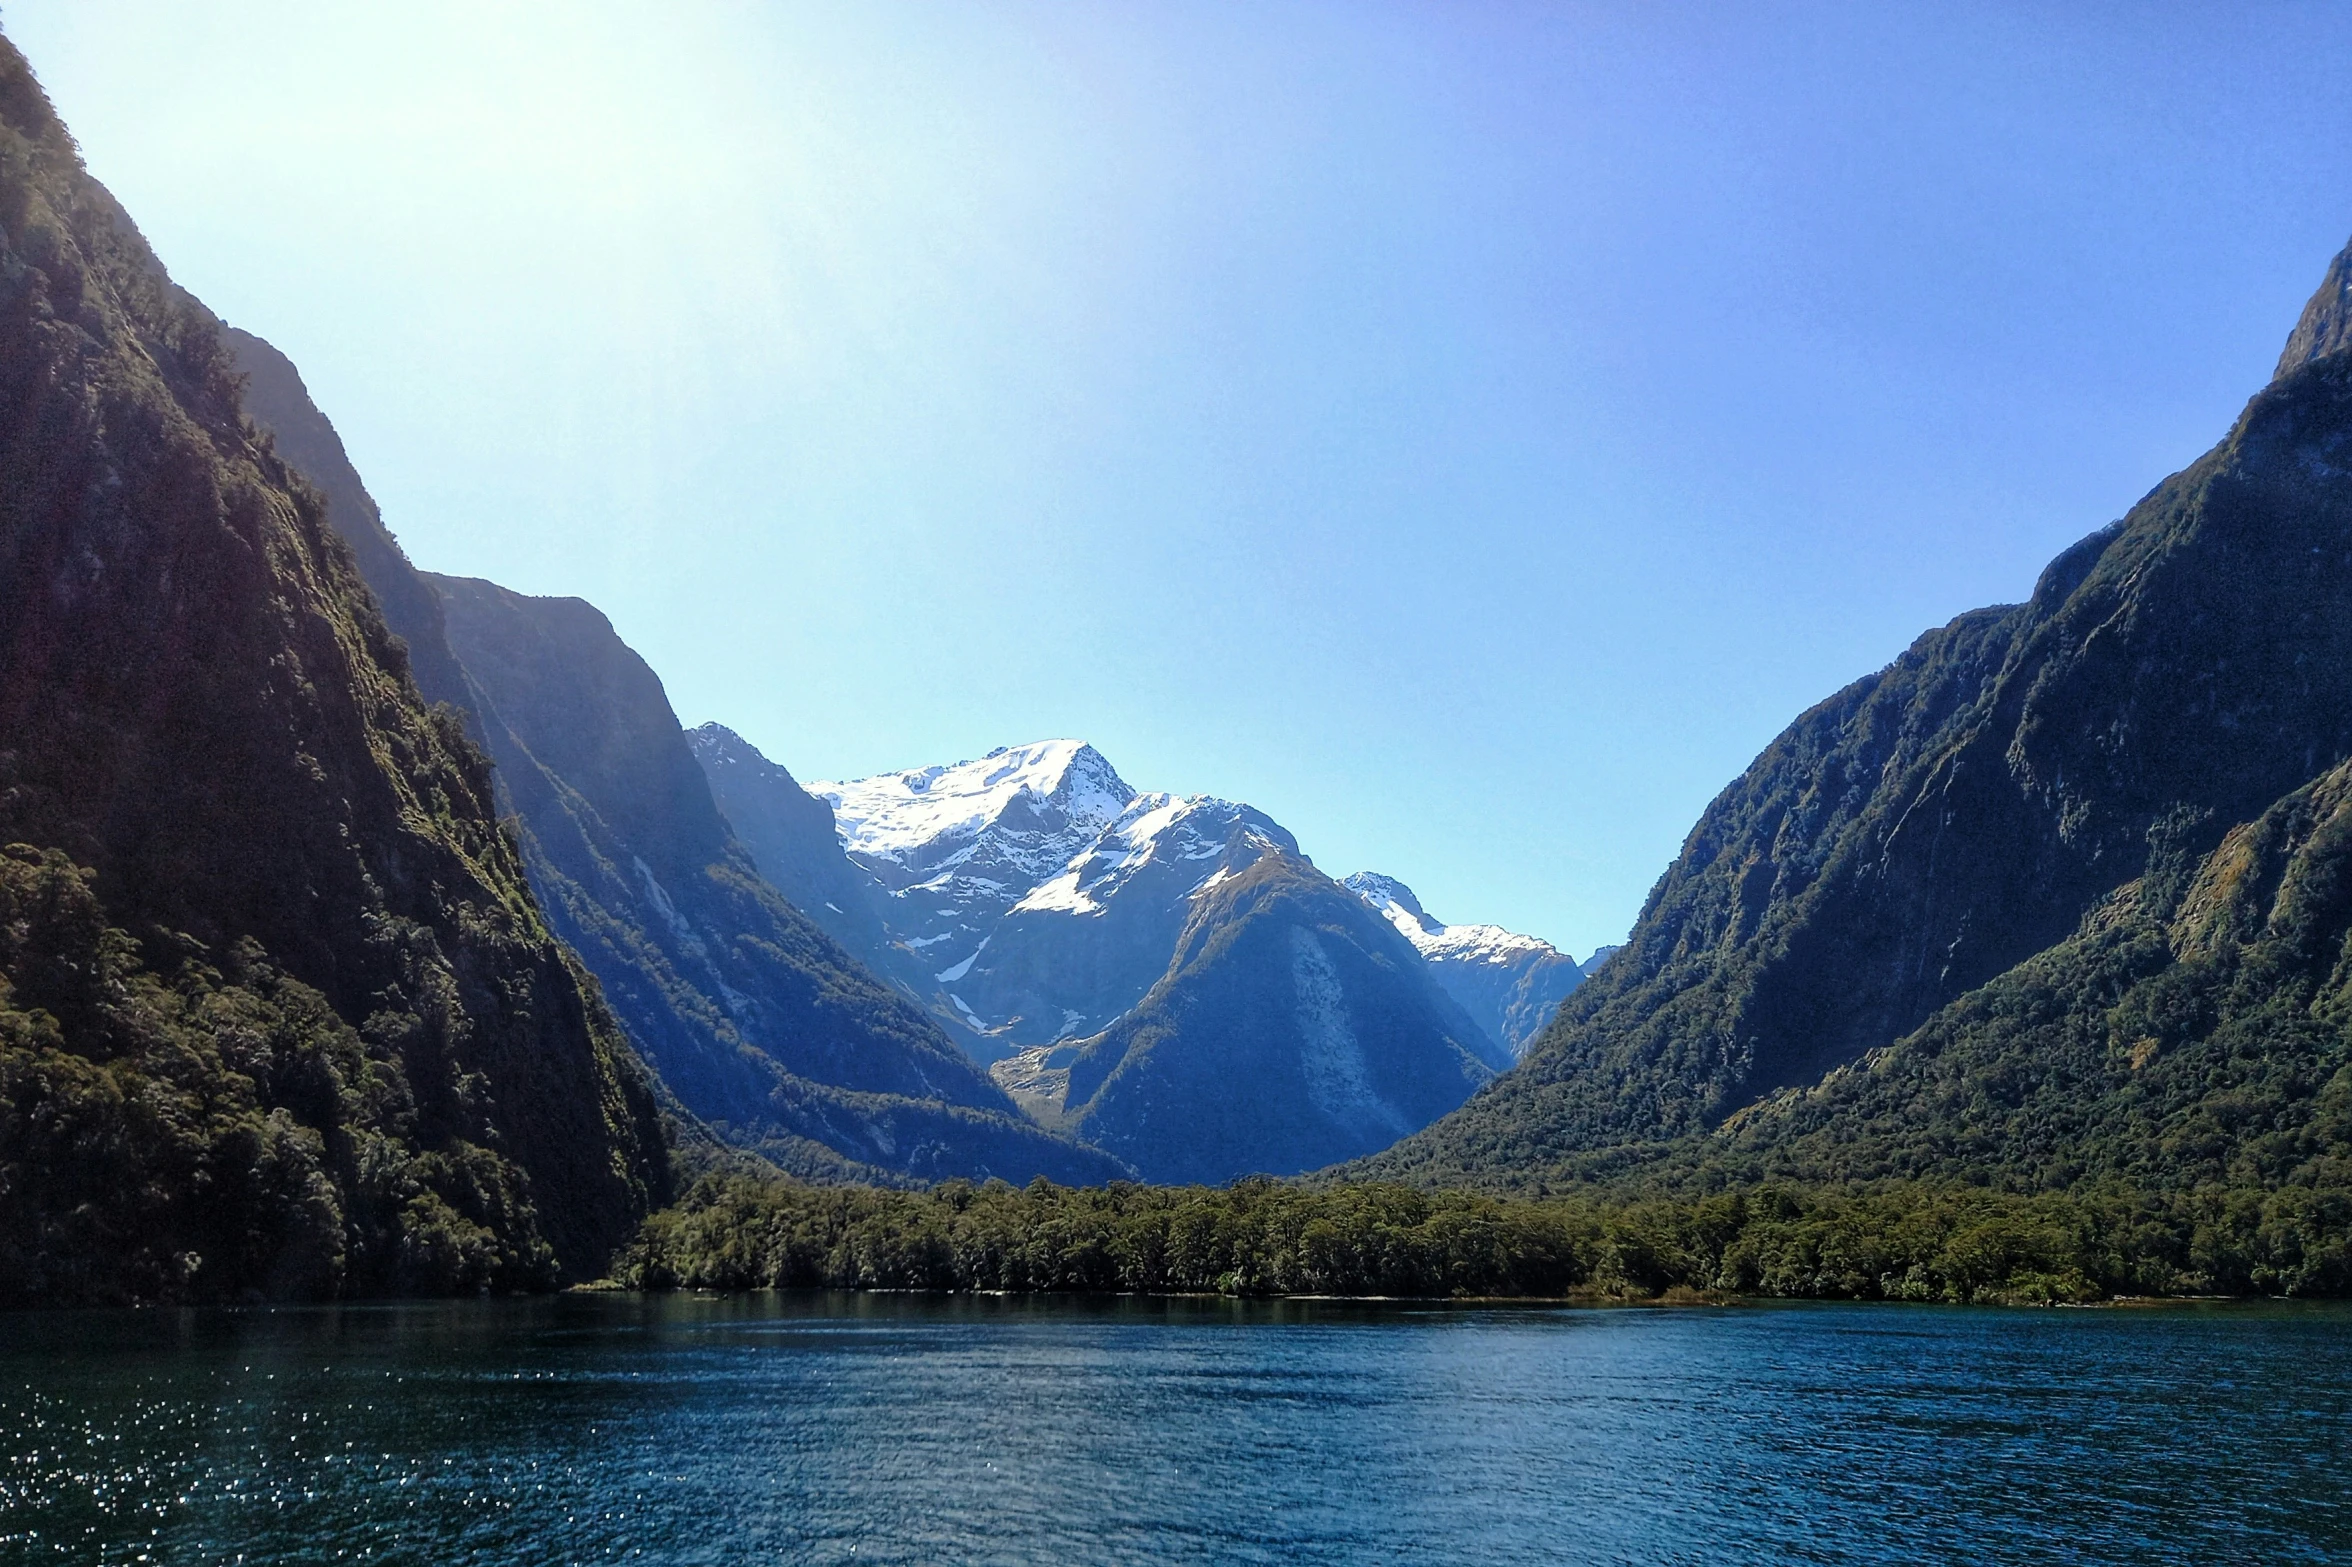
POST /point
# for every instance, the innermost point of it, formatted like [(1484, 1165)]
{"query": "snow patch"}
[(1062, 895), (1437, 941)]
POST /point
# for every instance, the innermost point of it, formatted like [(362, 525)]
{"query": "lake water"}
[(903, 1429)]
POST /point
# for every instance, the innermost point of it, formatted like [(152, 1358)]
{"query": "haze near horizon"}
[(1467, 434)]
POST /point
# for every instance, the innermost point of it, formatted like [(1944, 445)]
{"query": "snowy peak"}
[(1510, 984), (1467, 943), (1390, 897), (1155, 830), (1045, 799)]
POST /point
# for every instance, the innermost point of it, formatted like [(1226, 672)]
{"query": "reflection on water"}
[(907, 1429)]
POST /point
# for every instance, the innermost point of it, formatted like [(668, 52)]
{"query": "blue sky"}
[(1466, 432)]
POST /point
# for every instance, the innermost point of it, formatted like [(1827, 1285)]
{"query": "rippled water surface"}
[(899, 1429)]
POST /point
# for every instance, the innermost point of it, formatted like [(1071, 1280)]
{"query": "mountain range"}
[(748, 1012), (1095, 944), (801, 985), (368, 930), (795, 983)]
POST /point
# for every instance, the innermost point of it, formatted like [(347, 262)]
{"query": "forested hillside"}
[(2052, 895), (278, 1014)]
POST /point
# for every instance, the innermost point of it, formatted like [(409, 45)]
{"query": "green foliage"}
[(1889, 1241), (1916, 837), (329, 1043), (216, 1132)]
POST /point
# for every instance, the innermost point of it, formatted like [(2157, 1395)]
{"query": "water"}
[(899, 1429)]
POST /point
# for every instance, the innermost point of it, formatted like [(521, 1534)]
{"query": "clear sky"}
[(1466, 432)]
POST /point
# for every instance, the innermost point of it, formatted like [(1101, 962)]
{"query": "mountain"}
[(1509, 984), (279, 1016), (790, 836), (2191, 1034), (950, 850), (1970, 900), (1292, 1028), (1079, 950), (1165, 975), (1028, 897), (756, 1019)]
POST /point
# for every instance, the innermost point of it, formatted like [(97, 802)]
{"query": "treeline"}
[(1897, 1241)]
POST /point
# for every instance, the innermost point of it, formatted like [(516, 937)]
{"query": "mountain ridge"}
[(279, 1016), (1924, 832), (1510, 984)]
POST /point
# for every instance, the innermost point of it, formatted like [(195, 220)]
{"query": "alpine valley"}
[(710, 956), (365, 930)]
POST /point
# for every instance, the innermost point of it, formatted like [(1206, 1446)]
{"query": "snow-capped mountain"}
[(1082, 947), (954, 849), (1165, 973), (1039, 893), (1509, 984)]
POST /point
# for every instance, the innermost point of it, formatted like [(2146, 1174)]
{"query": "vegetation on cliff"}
[(279, 1015), (1938, 926)]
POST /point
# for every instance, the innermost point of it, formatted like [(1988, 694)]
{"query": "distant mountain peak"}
[(2326, 327), (1385, 893), (910, 817), (1509, 983)]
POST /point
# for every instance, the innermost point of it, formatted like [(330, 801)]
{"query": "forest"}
[(1899, 1240)]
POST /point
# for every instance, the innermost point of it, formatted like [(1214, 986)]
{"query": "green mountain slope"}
[(1294, 1028), (755, 1017), (2192, 1033), (278, 1014), (1927, 830)]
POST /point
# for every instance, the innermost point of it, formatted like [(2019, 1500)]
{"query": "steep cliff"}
[(280, 1015)]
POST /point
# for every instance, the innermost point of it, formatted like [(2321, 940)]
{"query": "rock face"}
[(950, 850), (790, 835), (1987, 798), (1292, 1028), (278, 1012), (1080, 949), (1509, 984), (753, 1016)]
